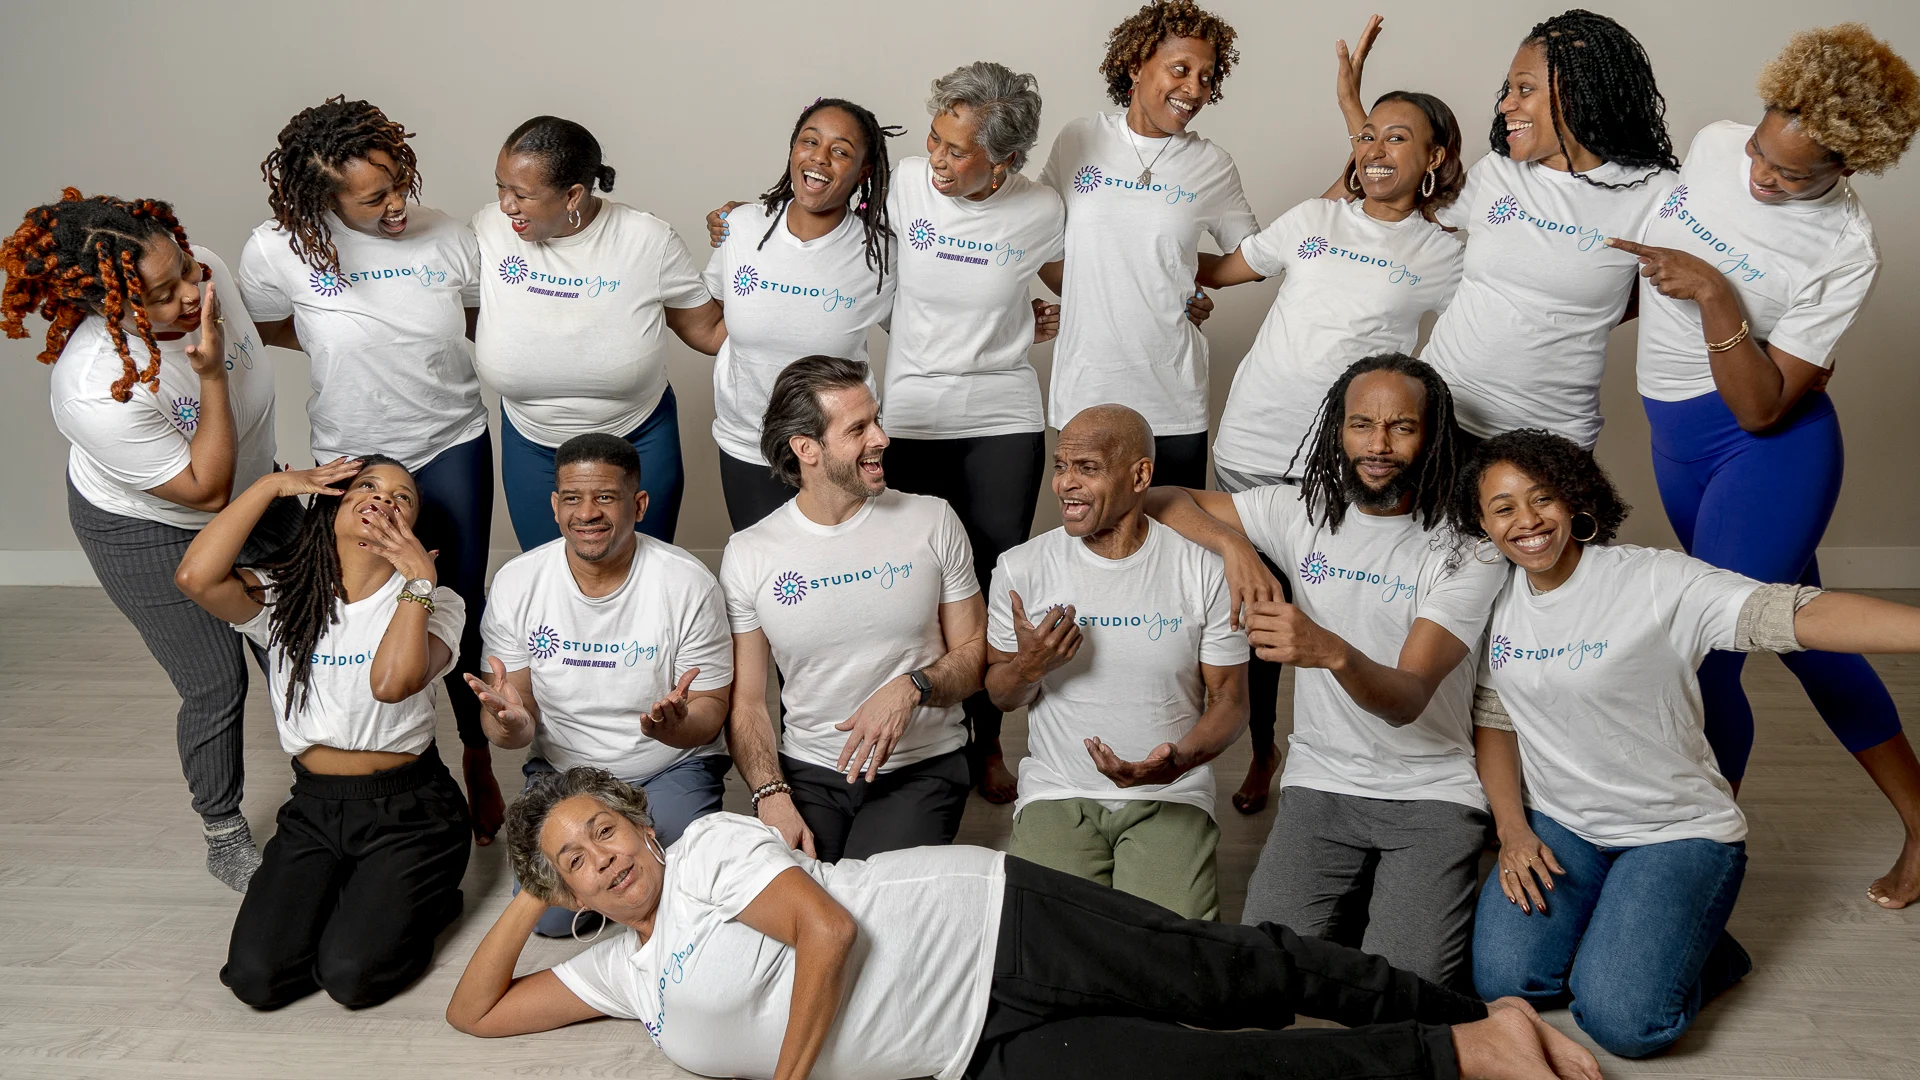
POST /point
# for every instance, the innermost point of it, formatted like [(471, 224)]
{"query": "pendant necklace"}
[(1146, 167)]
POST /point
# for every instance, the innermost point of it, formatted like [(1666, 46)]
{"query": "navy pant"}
[(1180, 460), (456, 519), (1758, 505), (526, 472), (1636, 936)]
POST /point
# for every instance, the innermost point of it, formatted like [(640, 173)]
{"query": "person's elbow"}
[(834, 932), (1757, 421), (196, 581), (393, 688)]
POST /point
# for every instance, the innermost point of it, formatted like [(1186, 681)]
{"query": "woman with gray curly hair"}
[(1758, 261), (746, 958)]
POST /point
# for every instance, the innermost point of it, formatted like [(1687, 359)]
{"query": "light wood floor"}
[(111, 932)]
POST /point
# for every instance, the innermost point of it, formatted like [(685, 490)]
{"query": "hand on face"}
[(319, 480)]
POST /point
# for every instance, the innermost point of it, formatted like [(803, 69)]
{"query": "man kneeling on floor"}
[(1134, 678)]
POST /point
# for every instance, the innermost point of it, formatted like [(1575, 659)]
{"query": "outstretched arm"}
[(1398, 694), (1850, 623), (206, 572), (1210, 519), (490, 1002)]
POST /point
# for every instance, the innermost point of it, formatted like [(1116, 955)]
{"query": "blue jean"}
[(677, 796), (456, 519), (1635, 936), (526, 472), (1758, 505)]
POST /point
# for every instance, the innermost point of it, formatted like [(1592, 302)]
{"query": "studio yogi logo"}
[(1504, 209), (921, 234), (745, 280), (186, 414), (544, 642), (1313, 247), (1674, 202), (789, 588), (327, 282), (513, 269), (1087, 179), (1315, 568), (1500, 652)]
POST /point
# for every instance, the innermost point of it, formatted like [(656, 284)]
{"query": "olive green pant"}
[(1158, 851)]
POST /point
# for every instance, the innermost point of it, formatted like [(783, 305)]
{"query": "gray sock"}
[(231, 856)]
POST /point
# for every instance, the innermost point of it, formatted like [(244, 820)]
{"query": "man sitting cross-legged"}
[(1115, 631), (610, 648)]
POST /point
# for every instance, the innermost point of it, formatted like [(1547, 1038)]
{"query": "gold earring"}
[(1426, 189), (1489, 543), (1591, 533)]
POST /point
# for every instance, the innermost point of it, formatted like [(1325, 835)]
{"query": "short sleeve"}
[(726, 861), (738, 585), (1054, 247), (593, 976), (130, 440), (705, 641), (1000, 633), (1458, 214), (448, 619), (1220, 646), (468, 260), (955, 551), (1460, 599), (1266, 251), (1266, 516), (1050, 172), (1702, 603), (1817, 318), (1232, 221), (680, 285), (500, 625), (260, 286)]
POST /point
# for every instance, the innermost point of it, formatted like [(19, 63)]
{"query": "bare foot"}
[(1504, 1046), (1252, 796), (1568, 1059), (997, 784), (488, 809), (1901, 885)]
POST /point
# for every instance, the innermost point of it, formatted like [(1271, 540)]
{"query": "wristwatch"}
[(420, 591), (922, 684)]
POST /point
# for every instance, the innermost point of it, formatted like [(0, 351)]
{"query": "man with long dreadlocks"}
[(159, 444), (1379, 782)]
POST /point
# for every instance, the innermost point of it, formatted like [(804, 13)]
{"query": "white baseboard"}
[(1840, 567)]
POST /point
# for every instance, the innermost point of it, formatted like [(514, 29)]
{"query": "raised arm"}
[(1850, 623), (794, 910), (1222, 722), (1398, 694), (490, 1002), (1210, 519), (207, 481), (751, 742), (1349, 66), (206, 573)]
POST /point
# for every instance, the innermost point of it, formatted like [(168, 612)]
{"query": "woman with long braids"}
[(808, 273), (1580, 153), (1140, 189), (1758, 262), (1619, 869), (365, 866), (159, 442), (381, 296), (576, 294)]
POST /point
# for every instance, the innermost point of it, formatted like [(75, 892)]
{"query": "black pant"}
[(750, 490), (456, 519), (362, 874), (1091, 982), (1180, 460), (991, 482), (1263, 682), (917, 805)]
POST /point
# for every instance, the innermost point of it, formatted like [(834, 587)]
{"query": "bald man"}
[(1114, 631)]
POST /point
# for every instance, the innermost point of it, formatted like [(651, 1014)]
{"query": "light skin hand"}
[(877, 726)]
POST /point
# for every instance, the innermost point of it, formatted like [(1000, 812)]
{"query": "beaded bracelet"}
[(777, 787)]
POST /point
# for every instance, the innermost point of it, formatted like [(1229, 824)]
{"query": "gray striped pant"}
[(135, 560)]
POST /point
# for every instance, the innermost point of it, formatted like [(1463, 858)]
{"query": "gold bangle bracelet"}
[(1736, 339)]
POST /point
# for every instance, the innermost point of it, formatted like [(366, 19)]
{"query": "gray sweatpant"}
[(135, 560), (1396, 878)]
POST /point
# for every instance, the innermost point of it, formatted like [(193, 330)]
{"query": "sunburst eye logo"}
[(1315, 568), (513, 269), (1674, 202), (1505, 209), (543, 642), (745, 280), (186, 414), (327, 282), (1313, 247), (789, 588), (921, 234), (1086, 179), (1500, 651)]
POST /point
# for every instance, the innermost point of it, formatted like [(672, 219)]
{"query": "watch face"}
[(420, 587)]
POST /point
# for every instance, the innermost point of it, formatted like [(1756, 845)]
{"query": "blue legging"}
[(526, 472), (1758, 505), (456, 519)]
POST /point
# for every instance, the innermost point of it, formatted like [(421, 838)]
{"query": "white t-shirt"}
[(1148, 622), (392, 369), (1132, 253), (1368, 583), (600, 662), (848, 608), (572, 330), (1353, 287), (785, 299), (1524, 342), (1802, 270), (1598, 677), (962, 320), (122, 449), (340, 709), (714, 993)]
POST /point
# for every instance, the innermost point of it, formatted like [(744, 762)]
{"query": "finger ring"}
[(220, 320), (1509, 873)]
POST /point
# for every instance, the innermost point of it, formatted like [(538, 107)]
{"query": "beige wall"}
[(693, 103)]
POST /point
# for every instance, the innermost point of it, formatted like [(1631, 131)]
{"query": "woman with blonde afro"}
[(1754, 266)]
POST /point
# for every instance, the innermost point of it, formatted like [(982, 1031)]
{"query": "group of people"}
[(1427, 540)]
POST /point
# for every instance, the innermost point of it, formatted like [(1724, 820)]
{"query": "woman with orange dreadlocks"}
[(382, 293), (155, 386)]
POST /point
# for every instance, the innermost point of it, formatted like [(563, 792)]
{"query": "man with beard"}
[(582, 632), (1381, 818), (865, 599), (1116, 632)]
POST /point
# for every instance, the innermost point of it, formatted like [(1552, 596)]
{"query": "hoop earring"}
[(653, 848), (573, 218), (574, 929), (1353, 180), (1476, 552), (1426, 189), (1591, 533)]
